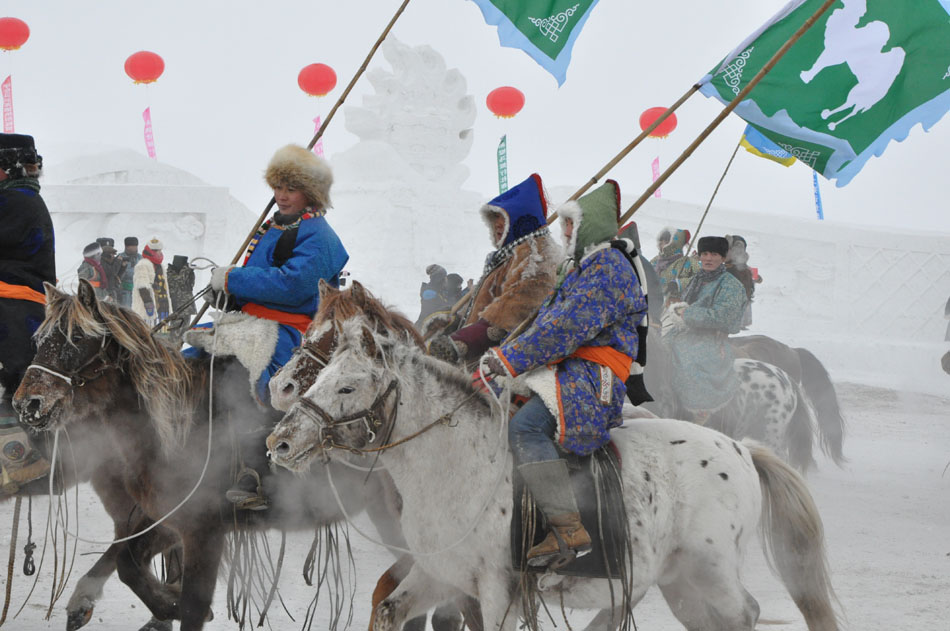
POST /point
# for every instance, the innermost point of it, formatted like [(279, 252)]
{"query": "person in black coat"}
[(26, 262)]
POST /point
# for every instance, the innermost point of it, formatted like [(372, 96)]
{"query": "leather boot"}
[(550, 484)]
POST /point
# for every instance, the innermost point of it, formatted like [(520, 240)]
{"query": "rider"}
[(578, 352), (697, 330), (737, 264), (26, 261), (517, 276), (288, 256), (675, 268)]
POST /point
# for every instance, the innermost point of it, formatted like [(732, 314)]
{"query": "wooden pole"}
[(626, 150), (689, 247), (727, 110), (316, 137)]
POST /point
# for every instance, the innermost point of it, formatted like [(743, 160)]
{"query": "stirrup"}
[(247, 500), (564, 555)]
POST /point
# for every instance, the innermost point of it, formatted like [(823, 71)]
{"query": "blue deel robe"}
[(600, 303)]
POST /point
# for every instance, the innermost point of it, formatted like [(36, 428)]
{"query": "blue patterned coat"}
[(600, 303), (704, 379)]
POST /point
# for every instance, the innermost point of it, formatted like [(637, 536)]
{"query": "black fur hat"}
[(719, 245)]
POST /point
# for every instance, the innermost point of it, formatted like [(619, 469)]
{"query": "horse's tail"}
[(800, 432), (821, 391), (793, 538)]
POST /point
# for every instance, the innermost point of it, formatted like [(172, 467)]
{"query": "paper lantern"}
[(144, 67), (13, 33), (505, 102), (664, 129), (317, 79)]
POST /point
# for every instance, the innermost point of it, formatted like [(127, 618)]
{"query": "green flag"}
[(862, 76)]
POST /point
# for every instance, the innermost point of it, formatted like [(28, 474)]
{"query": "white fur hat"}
[(297, 167), (154, 244)]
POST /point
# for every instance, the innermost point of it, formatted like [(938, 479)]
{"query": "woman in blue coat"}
[(577, 355)]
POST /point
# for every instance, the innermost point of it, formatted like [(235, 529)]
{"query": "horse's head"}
[(336, 307), (75, 362), (350, 406)]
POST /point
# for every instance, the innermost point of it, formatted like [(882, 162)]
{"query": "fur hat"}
[(719, 245), (299, 168), (154, 244), (524, 208), (92, 250), (131, 241)]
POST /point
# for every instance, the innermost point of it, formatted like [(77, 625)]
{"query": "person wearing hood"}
[(675, 268), (576, 357), (697, 330), (150, 284), (518, 274), (27, 260), (737, 264), (91, 269)]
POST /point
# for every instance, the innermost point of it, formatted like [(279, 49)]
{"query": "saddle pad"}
[(608, 531)]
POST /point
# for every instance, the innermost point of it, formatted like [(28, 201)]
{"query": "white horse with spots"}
[(690, 519)]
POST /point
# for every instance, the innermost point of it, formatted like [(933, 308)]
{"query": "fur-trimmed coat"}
[(600, 303), (512, 292), (144, 277)]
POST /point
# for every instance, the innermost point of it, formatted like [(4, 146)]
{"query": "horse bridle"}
[(373, 417), (77, 378), (313, 350)]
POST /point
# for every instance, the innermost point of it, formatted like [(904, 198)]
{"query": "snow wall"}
[(869, 303)]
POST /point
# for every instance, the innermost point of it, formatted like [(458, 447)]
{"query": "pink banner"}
[(7, 88), (656, 174), (149, 137), (317, 148)]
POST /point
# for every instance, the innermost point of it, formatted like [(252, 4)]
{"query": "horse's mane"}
[(161, 376), (338, 306)]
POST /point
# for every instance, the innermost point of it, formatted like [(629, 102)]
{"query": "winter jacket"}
[(151, 277), (704, 379), (599, 304)]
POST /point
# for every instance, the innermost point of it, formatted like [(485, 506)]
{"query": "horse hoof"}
[(78, 618), (157, 625)]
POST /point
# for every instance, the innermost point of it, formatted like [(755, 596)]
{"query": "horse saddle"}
[(599, 494)]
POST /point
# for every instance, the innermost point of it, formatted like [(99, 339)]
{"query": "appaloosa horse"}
[(693, 497), (151, 408)]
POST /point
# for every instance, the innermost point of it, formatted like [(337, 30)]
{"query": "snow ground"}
[(887, 520)]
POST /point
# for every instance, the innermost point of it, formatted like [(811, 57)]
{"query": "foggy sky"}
[(229, 96)]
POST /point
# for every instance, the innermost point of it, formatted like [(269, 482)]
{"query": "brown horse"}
[(98, 365)]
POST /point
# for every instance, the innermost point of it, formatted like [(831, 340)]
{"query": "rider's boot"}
[(550, 485), (247, 492), (19, 461)]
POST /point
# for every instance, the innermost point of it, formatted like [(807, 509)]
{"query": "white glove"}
[(219, 277), (672, 318)]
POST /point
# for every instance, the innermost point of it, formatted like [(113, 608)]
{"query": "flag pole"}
[(727, 110), (626, 150), (316, 137), (716, 190)]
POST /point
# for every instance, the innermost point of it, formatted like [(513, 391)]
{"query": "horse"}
[(693, 497), (803, 367), (769, 406), (98, 365)]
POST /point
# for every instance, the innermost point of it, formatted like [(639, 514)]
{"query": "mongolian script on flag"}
[(7, 88), (862, 76), (317, 148), (545, 29), (656, 174), (149, 138), (503, 164)]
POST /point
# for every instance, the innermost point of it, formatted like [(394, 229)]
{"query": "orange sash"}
[(617, 362), (299, 321), (21, 292)]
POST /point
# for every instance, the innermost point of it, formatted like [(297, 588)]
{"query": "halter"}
[(372, 418), (76, 378), (313, 351)]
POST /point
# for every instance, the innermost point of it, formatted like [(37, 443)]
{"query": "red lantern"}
[(317, 79), (144, 67), (13, 33), (505, 102), (662, 130)]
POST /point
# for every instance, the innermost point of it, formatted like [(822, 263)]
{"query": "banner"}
[(757, 144), (862, 76), (317, 148), (545, 29), (7, 88), (656, 174), (503, 164), (149, 138), (818, 208)]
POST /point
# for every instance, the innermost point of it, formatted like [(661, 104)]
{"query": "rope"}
[(12, 559)]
